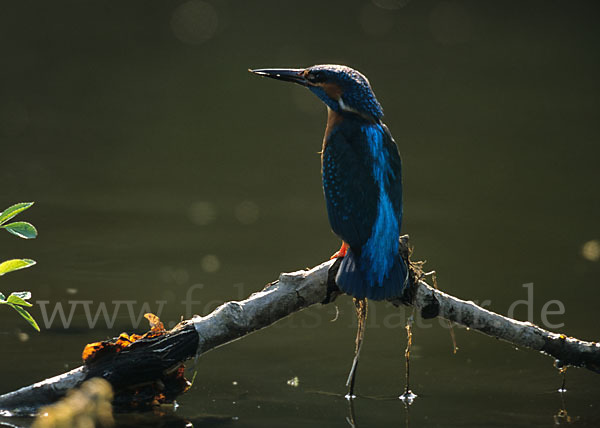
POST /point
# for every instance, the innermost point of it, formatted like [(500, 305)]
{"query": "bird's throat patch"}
[(332, 90)]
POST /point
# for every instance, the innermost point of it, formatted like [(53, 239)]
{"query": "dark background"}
[(157, 162)]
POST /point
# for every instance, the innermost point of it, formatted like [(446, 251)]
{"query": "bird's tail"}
[(351, 278)]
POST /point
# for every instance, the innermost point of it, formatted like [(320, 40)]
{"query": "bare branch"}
[(567, 350), (147, 360)]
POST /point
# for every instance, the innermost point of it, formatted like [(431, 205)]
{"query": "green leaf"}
[(15, 264), (26, 315), (2, 297), (22, 229), (12, 211), (25, 295), (16, 300)]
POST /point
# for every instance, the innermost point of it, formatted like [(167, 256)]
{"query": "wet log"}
[(145, 369)]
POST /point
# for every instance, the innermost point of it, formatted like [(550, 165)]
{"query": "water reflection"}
[(562, 416), (165, 418), (351, 419)]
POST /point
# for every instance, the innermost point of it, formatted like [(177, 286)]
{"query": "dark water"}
[(158, 163)]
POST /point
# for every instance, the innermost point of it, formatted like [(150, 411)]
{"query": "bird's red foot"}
[(341, 252)]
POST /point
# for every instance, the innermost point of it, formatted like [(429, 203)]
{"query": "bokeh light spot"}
[(591, 250), (210, 263), (194, 22), (247, 212), (449, 23), (295, 382), (202, 213)]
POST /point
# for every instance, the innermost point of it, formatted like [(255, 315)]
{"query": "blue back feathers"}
[(382, 247), (363, 191)]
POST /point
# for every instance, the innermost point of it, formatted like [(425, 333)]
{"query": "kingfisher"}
[(362, 183)]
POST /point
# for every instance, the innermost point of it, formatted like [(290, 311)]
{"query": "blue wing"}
[(362, 180), (350, 190), (394, 186)]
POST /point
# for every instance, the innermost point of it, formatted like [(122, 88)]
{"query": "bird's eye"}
[(315, 76)]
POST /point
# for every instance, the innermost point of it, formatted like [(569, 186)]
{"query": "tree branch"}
[(148, 361)]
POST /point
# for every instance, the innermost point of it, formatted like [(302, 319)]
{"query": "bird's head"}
[(342, 88)]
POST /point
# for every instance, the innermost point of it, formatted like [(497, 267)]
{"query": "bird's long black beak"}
[(295, 75)]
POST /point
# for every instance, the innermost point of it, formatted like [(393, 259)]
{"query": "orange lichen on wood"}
[(145, 370), (94, 350), (156, 325)]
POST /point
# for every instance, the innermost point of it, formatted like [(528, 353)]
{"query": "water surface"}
[(158, 163)]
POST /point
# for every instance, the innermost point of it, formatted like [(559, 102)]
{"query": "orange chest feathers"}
[(333, 119)]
